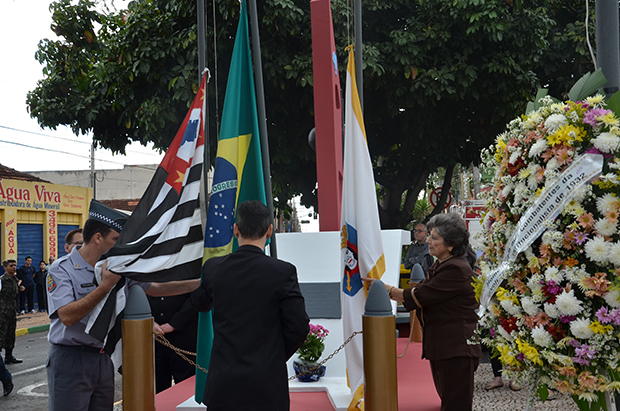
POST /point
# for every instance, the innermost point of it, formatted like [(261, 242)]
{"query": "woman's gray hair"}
[(453, 230)]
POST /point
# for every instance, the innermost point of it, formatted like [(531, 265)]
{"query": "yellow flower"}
[(530, 352), (505, 356), (567, 135), (608, 119), (500, 150), (533, 262), (592, 100), (503, 294), (598, 328)]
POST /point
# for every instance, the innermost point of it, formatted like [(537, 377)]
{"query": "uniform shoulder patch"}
[(51, 284)]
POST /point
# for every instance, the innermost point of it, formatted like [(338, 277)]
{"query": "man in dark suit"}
[(259, 319)]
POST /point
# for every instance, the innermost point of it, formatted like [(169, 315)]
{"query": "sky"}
[(24, 145)]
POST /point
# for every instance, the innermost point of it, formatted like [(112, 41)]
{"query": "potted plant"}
[(306, 365)]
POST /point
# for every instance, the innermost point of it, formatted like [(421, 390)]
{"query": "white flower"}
[(605, 227), (575, 275), (612, 298), (614, 254), (516, 155), (606, 202), (529, 306), (552, 273), (510, 307), (541, 337), (554, 122), (607, 142), (554, 239), (534, 283), (505, 334), (580, 328), (568, 304), (597, 249), (552, 165), (538, 148), (552, 310)]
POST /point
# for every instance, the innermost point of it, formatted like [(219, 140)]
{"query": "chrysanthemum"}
[(607, 142), (597, 250), (553, 274), (538, 148), (580, 328), (614, 254), (511, 308), (605, 227), (607, 202), (568, 304), (529, 306), (612, 298), (552, 310), (541, 337), (554, 122)]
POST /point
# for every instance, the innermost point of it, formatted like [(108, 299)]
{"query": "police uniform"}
[(8, 306), (80, 375)]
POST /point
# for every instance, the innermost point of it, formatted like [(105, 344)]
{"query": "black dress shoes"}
[(8, 387), (13, 360)]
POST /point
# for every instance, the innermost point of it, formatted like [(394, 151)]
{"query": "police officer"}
[(9, 289), (80, 375)]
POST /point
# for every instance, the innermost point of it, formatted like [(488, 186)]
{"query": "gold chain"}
[(328, 358), (162, 340)]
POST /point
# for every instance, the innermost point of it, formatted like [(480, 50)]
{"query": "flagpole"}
[(262, 117), (357, 17), (202, 64)]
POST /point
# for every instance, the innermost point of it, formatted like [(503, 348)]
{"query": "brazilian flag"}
[(238, 174)]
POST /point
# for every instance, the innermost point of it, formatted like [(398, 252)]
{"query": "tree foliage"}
[(441, 78)]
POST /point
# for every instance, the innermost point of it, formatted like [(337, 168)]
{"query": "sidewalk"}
[(32, 323)]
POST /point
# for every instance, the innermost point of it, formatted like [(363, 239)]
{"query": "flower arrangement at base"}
[(554, 319), (309, 353)]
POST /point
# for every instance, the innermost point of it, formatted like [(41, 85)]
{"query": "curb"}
[(30, 330)]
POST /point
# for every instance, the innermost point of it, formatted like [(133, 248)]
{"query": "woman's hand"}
[(396, 294)]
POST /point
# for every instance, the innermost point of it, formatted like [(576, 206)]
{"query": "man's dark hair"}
[(252, 219), (5, 263), (42, 262), (70, 234), (27, 258), (92, 227)]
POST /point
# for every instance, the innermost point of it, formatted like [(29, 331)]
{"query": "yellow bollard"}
[(379, 338), (138, 353)]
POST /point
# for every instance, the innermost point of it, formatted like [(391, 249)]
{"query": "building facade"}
[(37, 215)]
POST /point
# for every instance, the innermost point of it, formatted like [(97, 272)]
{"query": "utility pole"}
[(93, 174), (608, 44)]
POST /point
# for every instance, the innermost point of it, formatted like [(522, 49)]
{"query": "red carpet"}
[(416, 391)]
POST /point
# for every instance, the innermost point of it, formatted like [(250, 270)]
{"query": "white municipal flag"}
[(361, 246)]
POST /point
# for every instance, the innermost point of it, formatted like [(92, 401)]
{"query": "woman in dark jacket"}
[(445, 305)]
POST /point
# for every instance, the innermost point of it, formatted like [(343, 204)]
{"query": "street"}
[(30, 377)]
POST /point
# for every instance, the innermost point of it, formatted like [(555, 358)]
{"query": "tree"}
[(441, 79)]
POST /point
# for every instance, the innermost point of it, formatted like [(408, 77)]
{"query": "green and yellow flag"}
[(238, 174)]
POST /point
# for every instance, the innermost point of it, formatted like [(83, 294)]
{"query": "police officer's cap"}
[(106, 215)]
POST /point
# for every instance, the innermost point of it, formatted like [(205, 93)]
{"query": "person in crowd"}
[(80, 375), (6, 378), (9, 289), (178, 321), (39, 280), (262, 295), (26, 275), (446, 307), (418, 250), (73, 239)]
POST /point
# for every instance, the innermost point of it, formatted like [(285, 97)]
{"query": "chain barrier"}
[(182, 353), (326, 359)]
